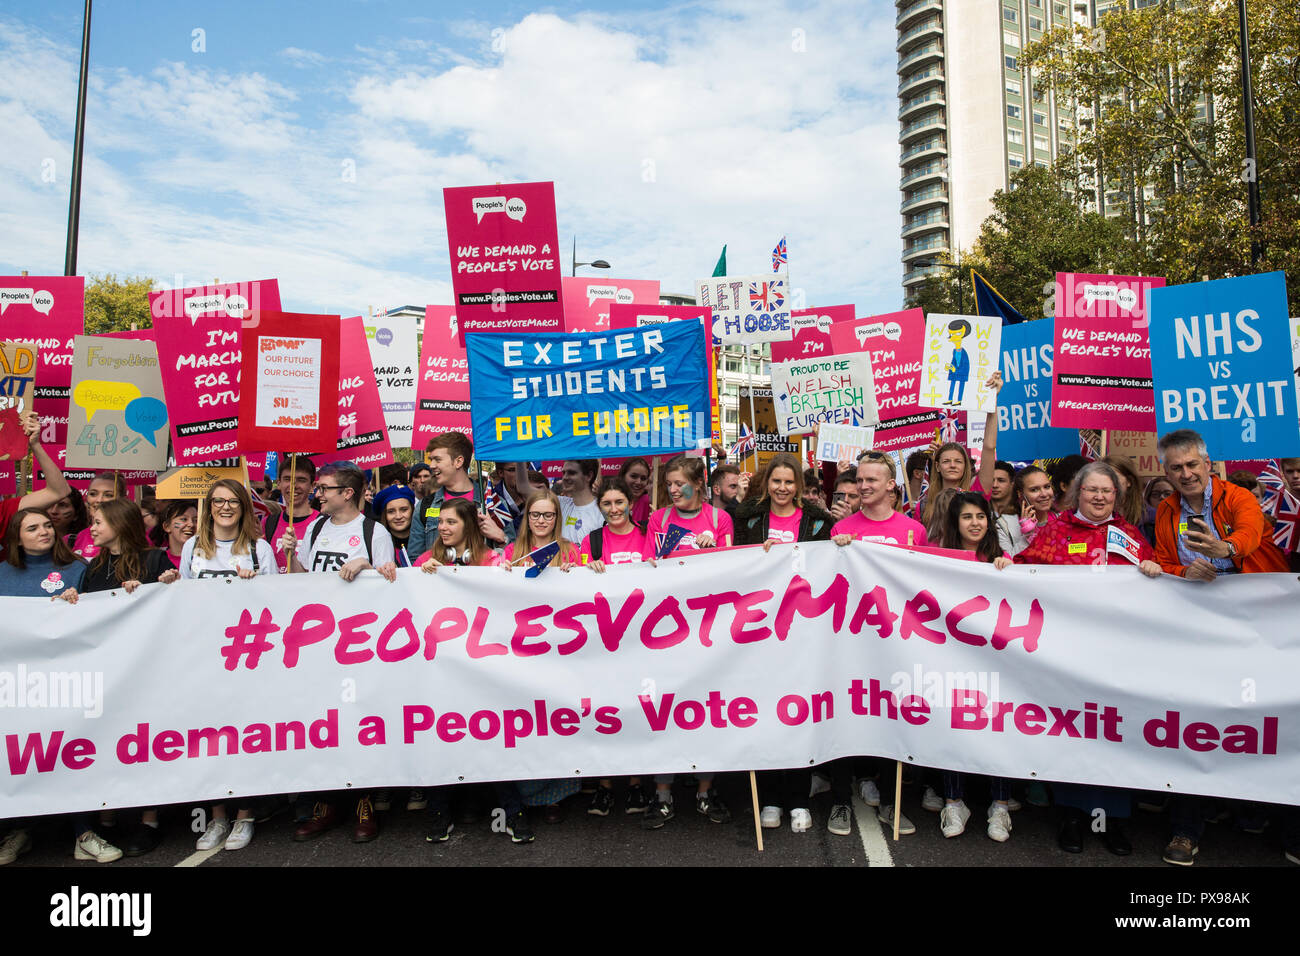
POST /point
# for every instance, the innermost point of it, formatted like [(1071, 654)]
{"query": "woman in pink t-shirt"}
[(105, 486), (460, 540), (705, 526), (177, 520), (636, 472)]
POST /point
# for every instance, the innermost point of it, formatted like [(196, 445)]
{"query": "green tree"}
[(1167, 140), (114, 305)]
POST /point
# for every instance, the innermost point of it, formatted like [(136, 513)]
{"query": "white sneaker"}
[(885, 815), (15, 845), (931, 801), (953, 817), (240, 835), (999, 823), (820, 783), (770, 818), (214, 835), (800, 820), (869, 792), (91, 846)]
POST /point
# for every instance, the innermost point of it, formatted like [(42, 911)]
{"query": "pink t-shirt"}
[(491, 559), (713, 520), (614, 548), (301, 529), (784, 530), (641, 510), (83, 546), (175, 559), (893, 530)]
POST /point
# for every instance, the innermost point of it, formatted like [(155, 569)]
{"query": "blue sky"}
[(311, 141)]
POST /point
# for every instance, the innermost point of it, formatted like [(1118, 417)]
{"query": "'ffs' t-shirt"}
[(893, 530), (223, 564), (338, 544)]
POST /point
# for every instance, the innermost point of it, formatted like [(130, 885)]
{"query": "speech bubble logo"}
[(482, 205), (196, 305), (595, 292), (623, 296), (236, 305), (10, 297), (384, 336), (864, 332), (1126, 298), (893, 331), (515, 209), (43, 301), (95, 395), (146, 415)]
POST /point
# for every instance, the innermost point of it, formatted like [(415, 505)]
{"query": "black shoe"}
[(440, 827), (711, 805), (1070, 835), (602, 801), (636, 800), (518, 828), (659, 813), (1116, 839), (143, 839)]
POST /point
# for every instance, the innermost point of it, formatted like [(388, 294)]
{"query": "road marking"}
[(197, 859), (874, 844)]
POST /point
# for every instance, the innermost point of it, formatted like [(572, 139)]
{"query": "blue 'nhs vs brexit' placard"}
[(1025, 401), (1221, 363), (623, 392)]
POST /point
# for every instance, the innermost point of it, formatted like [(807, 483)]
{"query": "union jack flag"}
[(1086, 449), (1274, 485), (259, 508), (495, 505), (779, 257), (766, 296), (744, 446), (948, 425), (1286, 533)]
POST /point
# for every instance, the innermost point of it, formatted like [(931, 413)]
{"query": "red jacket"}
[(1066, 539), (1237, 517)]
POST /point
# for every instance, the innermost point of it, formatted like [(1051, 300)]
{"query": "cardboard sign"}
[(1221, 362), (118, 416), (843, 442), (1025, 402), (197, 331), (1137, 447), (961, 352), (19, 362), (895, 342), (394, 358), (290, 382), (1102, 359), (768, 441), (193, 481), (505, 259), (362, 434), (587, 301), (442, 396), (833, 390), (46, 311), (812, 333), (747, 308)]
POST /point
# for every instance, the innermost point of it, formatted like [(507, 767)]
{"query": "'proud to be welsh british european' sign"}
[(1221, 364)]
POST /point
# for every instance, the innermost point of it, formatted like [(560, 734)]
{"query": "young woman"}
[(228, 544), (1006, 510), (1156, 491), (541, 527), (69, 516), (1037, 500), (636, 472), (105, 486), (37, 561), (969, 526), (176, 520), (952, 469), (123, 560), (618, 541), (1130, 496), (937, 503), (460, 540), (782, 514), (706, 526), (394, 506)]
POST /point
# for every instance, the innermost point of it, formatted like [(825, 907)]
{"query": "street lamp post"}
[(1248, 112), (598, 264)]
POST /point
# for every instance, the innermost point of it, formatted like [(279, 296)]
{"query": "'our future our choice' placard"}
[(1221, 364), (583, 395)]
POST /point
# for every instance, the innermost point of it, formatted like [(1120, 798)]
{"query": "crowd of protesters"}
[(333, 520)]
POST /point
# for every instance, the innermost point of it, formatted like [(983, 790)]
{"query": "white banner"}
[(737, 660)]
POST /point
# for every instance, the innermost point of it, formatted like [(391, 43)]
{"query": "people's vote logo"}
[(354, 541), (54, 582)]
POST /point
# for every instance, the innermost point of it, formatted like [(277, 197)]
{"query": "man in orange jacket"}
[(1208, 527)]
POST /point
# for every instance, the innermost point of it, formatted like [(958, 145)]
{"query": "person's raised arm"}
[(56, 486), (989, 456)]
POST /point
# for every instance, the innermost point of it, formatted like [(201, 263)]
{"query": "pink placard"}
[(48, 310), (812, 332), (505, 258), (442, 394), (1101, 373), (896, 342), (622, 316), (363, 435), (197, 331), (587, 301)]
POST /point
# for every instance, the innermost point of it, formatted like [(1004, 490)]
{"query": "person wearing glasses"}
[(542, 514), (348, 542)]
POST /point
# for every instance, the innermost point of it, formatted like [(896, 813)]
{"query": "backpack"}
[(367, 532)]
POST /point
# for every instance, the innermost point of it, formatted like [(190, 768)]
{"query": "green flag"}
[(721, 268)]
